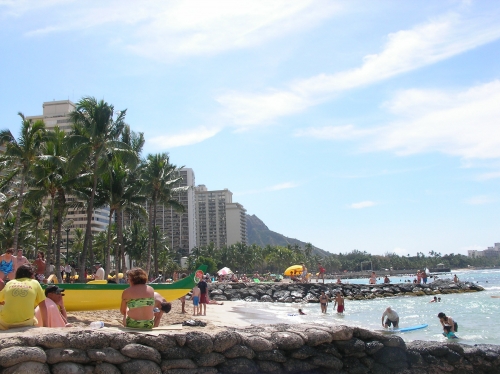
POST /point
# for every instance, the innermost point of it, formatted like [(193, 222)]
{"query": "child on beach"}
[(196, 300), (448, 333)]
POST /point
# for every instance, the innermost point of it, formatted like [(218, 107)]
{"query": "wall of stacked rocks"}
[(309, 292), (306, 348)]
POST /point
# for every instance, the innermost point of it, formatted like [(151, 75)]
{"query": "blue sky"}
[(370, 125)]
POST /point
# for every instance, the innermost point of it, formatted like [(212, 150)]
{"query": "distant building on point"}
[(490, 252)]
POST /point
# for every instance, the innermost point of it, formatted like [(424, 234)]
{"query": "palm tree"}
[(160, 179), (20, 154), (94, 137)]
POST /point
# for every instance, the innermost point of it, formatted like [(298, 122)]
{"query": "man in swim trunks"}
[(392, 318), (203, 297), (323, 300), (40, 266), (339, 302), (195, 296), (20, 259)]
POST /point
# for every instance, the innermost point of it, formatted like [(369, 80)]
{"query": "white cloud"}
[(163, 30), (480, 200), (276, 187), (334, 132), (463, 124), (404, 51), (488, 176), (362, 205), (187, 138)]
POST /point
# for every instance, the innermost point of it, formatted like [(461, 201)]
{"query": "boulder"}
[(224, 340), (199, 342), (68, 368), (14, 355), (287, 340), (140, 367), (141, 351), (109, 355), (30, 367), (57, 355)]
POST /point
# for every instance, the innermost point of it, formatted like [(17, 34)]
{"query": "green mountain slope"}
[(258, 233)]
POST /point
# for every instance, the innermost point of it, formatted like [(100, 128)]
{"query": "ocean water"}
[(477, 313)]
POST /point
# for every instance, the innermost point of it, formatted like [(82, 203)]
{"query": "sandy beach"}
[(218, 317)]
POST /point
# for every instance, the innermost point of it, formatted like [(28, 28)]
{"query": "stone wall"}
[(306, 348), (309, 292)]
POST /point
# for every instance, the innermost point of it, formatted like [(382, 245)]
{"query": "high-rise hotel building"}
[(56, 113), (219, 220)]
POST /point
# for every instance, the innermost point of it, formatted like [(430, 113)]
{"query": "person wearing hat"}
[(99, 273), (56, 313)]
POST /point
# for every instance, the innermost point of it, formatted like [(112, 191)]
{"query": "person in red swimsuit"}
[(339, 302)]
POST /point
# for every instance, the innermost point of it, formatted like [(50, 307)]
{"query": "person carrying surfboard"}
[(392, 318)]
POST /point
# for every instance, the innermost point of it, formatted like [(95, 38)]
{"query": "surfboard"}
[(403, 329)]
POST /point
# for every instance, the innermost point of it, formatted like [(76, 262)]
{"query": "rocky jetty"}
[(305, 348), (309, 292)]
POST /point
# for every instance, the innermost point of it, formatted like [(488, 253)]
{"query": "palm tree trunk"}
[(150, 232), (49, 239), (18, 214), (87, 243), (60, 210), (119, 229), (107, 253), (155, 237)]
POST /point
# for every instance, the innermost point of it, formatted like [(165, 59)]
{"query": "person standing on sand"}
[(183, 298), (203, 297), (99, 273), (195, 296), (304, 273), (40, 266), (339, 302), (20, 259), (323, 300)]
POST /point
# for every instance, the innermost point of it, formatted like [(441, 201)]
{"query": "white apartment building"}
[(55, 113), (488, 252), (219, 220), (180, 228)]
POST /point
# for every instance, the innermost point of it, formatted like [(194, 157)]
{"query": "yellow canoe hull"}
[(98, 296)]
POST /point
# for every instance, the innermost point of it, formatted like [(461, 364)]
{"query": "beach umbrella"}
[(294, 269), (224, 271)]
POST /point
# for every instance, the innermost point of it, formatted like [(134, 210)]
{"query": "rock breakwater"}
[(305, 348), (309, 292)]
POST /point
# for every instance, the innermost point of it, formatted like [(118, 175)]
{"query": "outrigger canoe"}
[(106, 296)]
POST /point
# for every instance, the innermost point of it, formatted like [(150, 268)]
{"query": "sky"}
[(368, 125)]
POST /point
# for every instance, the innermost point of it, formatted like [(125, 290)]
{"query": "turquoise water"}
[(477, 313)]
